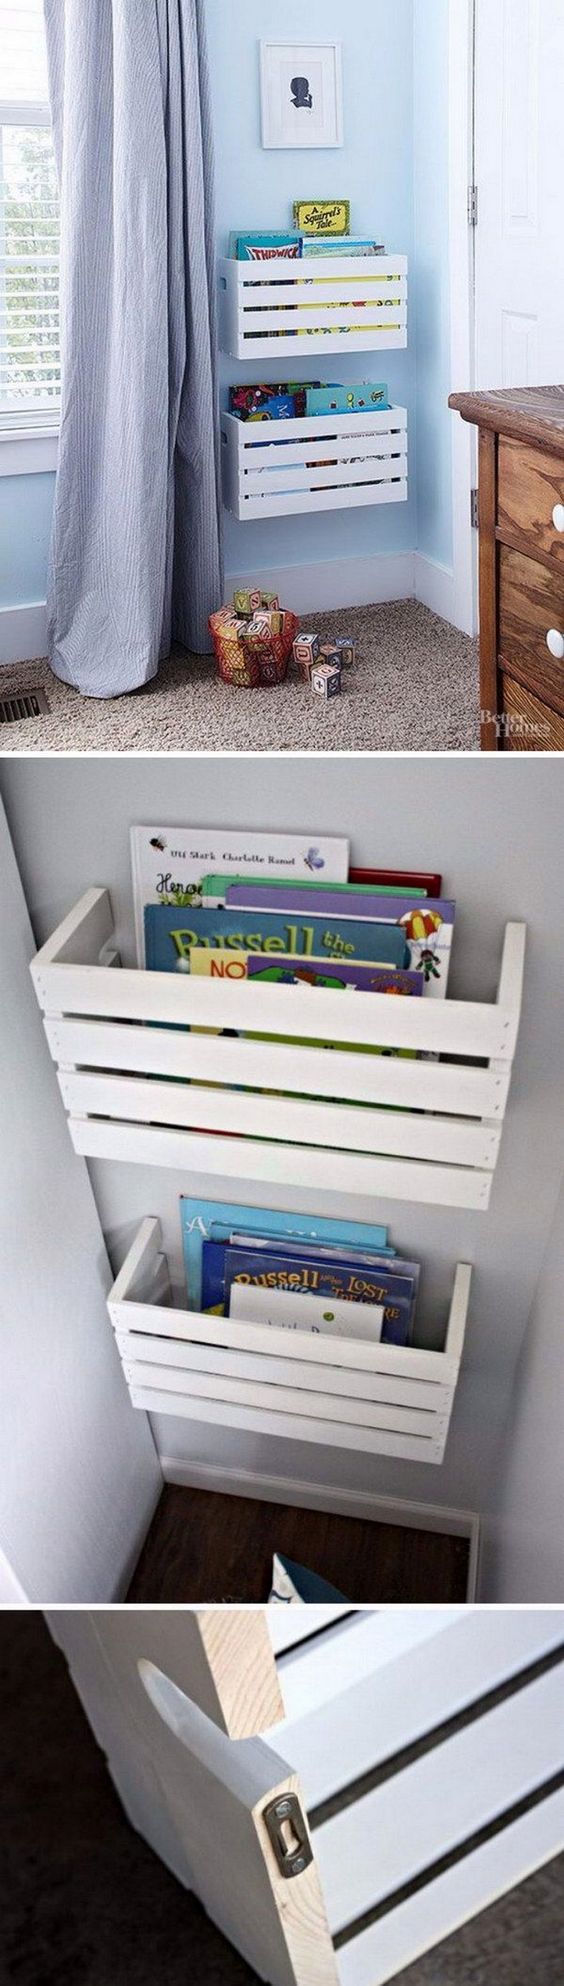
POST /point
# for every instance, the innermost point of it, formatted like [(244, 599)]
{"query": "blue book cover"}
[(170, 934), (215, 1251), (200, 1219), (339, 1279)]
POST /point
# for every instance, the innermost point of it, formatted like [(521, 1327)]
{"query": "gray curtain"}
[(135, 554)]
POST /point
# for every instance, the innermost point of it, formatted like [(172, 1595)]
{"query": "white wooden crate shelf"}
[(344, 1393), (329, 462), (294, 307), (398, 1128)]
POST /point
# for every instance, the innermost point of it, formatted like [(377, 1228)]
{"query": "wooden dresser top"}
[(528, 413)]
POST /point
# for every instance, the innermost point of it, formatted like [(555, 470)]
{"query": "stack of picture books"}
[(332, 1278), (286, 909)]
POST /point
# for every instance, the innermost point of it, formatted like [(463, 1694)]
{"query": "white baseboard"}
[(23, 633), (308, 589), (321, 1496), (434, 587), (334, 583)]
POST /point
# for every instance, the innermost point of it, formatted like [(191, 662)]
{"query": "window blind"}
[(29, 225)]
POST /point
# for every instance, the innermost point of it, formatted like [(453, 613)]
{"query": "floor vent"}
[(14, 709)]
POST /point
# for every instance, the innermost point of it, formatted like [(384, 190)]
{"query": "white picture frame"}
[(301, 89)]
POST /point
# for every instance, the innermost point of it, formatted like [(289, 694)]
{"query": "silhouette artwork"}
[(301, 94)]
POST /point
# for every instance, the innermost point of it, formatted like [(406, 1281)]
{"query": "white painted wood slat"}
[(361, 1386), (385, 430), (293, 1427), (339, 473), (384, 1840), (356, 1414), (447, 1140), (307, 298), (437, 1910), (333, 1172), (382, 1079), (347, 495), (408, 1683), (199, 1328)]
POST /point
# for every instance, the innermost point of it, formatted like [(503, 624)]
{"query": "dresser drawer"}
[(530, 726), (531, 604), (530, 499)]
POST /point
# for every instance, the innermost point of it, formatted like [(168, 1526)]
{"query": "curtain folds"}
[(135, 554)]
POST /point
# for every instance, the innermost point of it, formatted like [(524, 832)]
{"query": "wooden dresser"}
[(521, 519)]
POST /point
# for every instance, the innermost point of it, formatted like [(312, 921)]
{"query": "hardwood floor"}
[(204, 1547)]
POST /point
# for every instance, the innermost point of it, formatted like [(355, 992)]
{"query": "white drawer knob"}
[(555, 644), (558, 517)]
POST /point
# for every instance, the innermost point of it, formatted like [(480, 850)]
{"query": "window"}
[(29, 227)]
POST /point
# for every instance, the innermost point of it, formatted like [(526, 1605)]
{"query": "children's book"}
[(399, 879), (291, 1312), (201, 1220), (218, 888), (428, 926), (282, 971), (336, 1281), (171, 932), (170, 863), (241, 1246)]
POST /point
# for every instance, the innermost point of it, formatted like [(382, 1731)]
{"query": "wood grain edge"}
[(242, 1666), (300, 1904)]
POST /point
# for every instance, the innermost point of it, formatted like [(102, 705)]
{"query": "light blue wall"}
[(255, 188), (25, 524), (394, 167), (432, 304)]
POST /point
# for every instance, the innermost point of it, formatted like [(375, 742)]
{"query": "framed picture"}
[(301, 94)]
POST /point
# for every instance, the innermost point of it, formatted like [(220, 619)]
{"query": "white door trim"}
[(461, 283)]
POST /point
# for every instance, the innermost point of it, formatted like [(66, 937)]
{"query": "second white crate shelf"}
[(280, 1109), (329, 462), (290, 308), (382, 1399)]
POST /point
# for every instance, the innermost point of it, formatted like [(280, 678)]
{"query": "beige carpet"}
[(414, 688)]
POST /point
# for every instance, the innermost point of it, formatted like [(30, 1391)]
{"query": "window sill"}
[(24, 452)]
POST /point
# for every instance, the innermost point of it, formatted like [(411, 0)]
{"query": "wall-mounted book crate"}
[(329, 462), (278, 1109), (294, 307), (342, 1392)]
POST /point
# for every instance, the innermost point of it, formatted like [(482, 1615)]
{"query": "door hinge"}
[(288, 1833), (474, 510), (472, 206)]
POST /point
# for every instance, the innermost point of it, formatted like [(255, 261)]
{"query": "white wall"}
[(523, 1557), (79, 1477), (496, 830)]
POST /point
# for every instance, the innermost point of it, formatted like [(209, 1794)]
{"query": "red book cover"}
[(399, 878)]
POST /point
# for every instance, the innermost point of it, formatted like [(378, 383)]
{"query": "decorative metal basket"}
[(251, 658)]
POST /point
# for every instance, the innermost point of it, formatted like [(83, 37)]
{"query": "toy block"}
[(344, 646), (325, 679), (306, 650)]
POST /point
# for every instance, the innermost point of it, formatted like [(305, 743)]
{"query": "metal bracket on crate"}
[(288, 1834)]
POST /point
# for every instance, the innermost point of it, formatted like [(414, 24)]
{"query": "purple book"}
[(428, 923), (317, 972)]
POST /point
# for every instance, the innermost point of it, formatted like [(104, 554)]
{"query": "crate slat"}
[(381, 1079), (292, 1120), (301, 465), (362, 302)]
